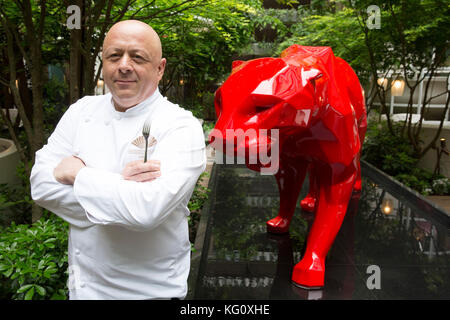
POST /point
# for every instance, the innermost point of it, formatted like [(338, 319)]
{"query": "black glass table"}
[(393, 244)]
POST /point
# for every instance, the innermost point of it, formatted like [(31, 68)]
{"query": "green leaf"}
[(24, 288), (30, 294), (3, 267), (59, 295), (9, 272), (50, 240), (40, 290), (49, 271), (41, 264)]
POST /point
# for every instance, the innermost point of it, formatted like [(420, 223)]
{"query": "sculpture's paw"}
[(308, 204), (309, 273), (357, 186), (356, 194), (278, 225)]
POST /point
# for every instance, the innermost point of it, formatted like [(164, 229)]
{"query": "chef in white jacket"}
[(128, 235)]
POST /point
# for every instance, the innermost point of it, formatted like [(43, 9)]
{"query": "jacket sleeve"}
[(139, 206), (45, 190)]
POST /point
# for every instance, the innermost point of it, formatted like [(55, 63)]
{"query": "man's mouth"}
[(120, 81)]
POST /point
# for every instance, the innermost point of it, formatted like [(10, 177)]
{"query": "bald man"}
[(128, 236)]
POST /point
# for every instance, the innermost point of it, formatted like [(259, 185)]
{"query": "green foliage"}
[(15, 200), (33, 260), (208, 126), (394, 155), (275, 18), (199, 44), (15, 204), (195, 205), (441, 186), (391, 154), (288, 2), (409, 33), (55, 100), (340, 31), (416, 182), (199, 196)]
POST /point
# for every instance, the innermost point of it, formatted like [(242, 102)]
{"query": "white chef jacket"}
[(127, 239)]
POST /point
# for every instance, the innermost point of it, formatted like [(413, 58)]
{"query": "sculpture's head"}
[(269, 93)]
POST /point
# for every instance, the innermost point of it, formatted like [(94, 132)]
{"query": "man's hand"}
[(66, 171), (141, 171)]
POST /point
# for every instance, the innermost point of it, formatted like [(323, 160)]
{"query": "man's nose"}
[(125, 63)]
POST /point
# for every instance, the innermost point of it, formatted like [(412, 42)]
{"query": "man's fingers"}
[(141, 171), (144, 177), (138, 167)]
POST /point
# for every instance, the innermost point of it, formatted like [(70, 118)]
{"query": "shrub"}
[(392, 154), (395, 156), (195, 205), (33, 260), (441, 186)]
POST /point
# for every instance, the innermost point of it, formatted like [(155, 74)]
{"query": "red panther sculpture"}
[(315, 103)]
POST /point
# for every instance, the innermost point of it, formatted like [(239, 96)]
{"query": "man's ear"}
[(162, 67)]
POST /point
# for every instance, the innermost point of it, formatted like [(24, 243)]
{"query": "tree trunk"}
[(75, 66), (36, 212)]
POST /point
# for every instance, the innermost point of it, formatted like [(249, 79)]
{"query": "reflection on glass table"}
[(385, 249)]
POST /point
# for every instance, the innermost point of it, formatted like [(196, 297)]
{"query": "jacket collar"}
[(137, 110)]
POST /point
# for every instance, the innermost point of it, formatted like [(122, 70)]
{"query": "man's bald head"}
[(137, 28), (132, 62)]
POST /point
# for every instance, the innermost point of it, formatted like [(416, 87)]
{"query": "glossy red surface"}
[(316, 103)]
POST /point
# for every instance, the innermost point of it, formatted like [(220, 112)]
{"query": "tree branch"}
[(42, 20), (438, 132), (12, 85)]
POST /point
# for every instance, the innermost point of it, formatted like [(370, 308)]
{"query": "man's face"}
[(132, 65)]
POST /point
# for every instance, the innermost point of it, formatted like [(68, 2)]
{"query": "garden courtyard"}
[(400, 221)]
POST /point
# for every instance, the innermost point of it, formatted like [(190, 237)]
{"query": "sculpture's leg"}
[(309, 202), (289, 180), (331, 209), (358, 184)]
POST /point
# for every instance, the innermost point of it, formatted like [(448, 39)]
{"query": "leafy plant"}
[(195, 205), (33, 260), (207, 128), (395, 156), (391, 154), (15, 204), (441, 186)]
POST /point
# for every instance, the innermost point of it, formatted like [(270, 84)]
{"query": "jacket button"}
[(77, 252)]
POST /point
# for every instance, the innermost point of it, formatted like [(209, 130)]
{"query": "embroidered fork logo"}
[(140, 142)]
